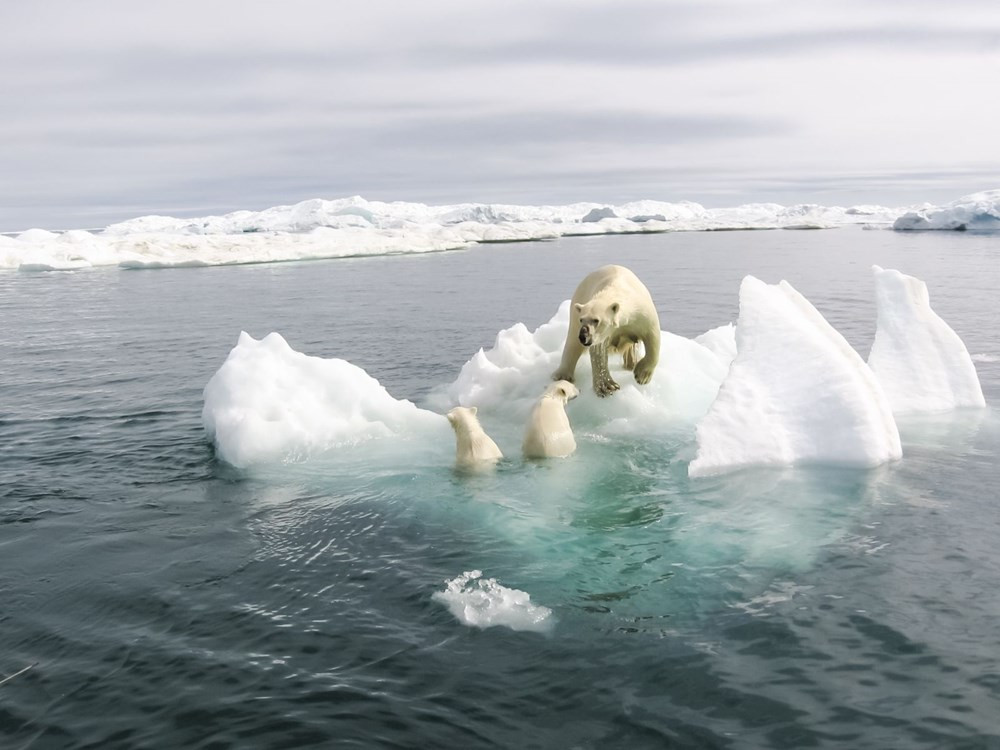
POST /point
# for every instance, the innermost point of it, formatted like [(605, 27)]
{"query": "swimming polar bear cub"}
[(612, 311), (548, 434), (473, 447)]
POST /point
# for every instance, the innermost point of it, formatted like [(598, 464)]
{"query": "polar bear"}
[(612, 311), (473, 447), (548, 434)]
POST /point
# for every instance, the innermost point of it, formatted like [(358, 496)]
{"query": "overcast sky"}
[(117, 109)]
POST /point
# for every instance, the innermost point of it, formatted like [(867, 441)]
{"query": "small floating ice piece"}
[(483, 603), (920, 361), (796, 392)]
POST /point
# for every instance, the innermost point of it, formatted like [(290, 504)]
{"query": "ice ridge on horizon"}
[(319, 228)]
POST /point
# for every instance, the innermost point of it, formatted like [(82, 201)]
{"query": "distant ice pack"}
[(979, 212), (354, 226), (780, 387)]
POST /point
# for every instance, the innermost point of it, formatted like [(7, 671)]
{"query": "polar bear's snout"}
[(588, 331)]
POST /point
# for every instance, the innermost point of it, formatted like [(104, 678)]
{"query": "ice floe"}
[(270, 403), (976, 212), (920, 361), (796, 392), (779, 387)]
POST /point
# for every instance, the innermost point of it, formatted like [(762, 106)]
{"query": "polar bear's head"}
[(561, 390), (597, 320), (463, 418)]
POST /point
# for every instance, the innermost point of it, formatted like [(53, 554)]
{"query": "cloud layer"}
[(124, 108)]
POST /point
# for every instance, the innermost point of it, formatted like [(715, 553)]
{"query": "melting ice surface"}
[(483, 603), (354, 226), (781, 387)]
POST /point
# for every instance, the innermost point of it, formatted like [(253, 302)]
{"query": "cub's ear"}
[(562, 391), (614, 308), (473, 410), (578, 307)]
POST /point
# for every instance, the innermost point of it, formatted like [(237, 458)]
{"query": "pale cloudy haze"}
[(115, 109)]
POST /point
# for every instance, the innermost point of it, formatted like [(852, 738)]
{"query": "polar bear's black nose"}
[(584, 337)]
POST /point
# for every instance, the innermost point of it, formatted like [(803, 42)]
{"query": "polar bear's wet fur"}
[(473, 447), (611, 312), (549, 434)]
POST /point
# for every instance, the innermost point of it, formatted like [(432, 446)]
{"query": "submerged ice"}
[(780, 387)]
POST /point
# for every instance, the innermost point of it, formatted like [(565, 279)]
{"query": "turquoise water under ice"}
[(166, 600)]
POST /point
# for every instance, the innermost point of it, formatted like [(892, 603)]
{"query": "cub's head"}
[(463, 417), (562, 390), (596, 320)]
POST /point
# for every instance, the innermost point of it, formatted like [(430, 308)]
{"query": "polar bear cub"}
[(612, 311), (473, 447), (548, 434)]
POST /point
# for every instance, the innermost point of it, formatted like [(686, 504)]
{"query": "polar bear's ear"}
[(473, 410), (614, 308), (578, 307)]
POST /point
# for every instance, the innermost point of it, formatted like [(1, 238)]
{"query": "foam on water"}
[(483, 603), (920, 361)]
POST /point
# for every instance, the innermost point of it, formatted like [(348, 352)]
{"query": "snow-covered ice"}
[(977, 212), (483, 602), (920, 361), (510, 376), (270, 403), (320, 228), (796, 392)]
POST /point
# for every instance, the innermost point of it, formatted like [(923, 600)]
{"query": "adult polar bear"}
[(612, 311)]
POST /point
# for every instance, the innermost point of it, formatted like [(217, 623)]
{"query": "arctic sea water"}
[(165, 599)]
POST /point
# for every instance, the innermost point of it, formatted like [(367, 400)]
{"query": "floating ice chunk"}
[(483, 603), (976, 212), (270, 403), (509, 378), (796, 392), (920, 361)]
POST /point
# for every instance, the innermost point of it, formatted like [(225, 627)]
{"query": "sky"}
[(113, 110)]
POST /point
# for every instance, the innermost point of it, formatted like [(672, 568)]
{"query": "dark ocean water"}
[(166, 600)]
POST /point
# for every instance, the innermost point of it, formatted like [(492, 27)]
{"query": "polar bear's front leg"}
[(645, 366), (604, 384)]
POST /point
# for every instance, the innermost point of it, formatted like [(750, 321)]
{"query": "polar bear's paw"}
[(605, 386), (644, 371)]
